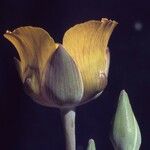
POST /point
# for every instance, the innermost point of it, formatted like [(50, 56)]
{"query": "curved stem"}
[(68, 118)]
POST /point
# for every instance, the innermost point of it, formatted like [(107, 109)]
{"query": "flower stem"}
[(68, 118)]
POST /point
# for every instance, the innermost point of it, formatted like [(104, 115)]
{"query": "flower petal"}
[(87, 43), (107, 61), (34, 46)]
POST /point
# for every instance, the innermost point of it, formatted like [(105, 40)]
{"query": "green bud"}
[(125, 131), (91, 145)]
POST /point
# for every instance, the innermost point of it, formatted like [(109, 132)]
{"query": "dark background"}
[(25, 125)]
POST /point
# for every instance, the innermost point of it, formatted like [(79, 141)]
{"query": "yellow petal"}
[(86, 43), (107, 61), (34, 46)]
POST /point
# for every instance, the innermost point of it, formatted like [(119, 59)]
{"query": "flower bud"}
[(91, 145), (125, 131)]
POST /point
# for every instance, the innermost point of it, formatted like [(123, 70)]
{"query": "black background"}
[(25, 125)]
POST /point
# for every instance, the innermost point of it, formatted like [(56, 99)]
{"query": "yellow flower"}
[(64, 75)]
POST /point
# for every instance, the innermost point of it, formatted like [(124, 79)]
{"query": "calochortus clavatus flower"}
[(64, 75)]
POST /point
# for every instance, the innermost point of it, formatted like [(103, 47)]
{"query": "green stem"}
[(68, 118)]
